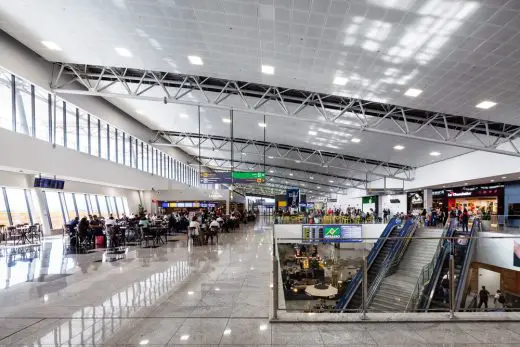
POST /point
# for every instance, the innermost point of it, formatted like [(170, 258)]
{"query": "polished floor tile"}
[(182, 295)]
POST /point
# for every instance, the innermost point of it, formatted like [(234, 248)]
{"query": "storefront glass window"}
[(6, 109), (23, 107), (55, 212)]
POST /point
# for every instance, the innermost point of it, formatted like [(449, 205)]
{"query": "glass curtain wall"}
[(49, 118), (18, 206)]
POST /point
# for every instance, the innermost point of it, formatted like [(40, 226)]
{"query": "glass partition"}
[(24, 119)]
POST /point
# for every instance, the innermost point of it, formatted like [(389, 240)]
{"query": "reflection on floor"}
[(174, 294)]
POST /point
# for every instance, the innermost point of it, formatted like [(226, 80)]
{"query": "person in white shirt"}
[(215, 224), (194, 226), (220, 220), (110, 221)]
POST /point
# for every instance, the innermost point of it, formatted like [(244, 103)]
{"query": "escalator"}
[(352, 298), (463, 255)]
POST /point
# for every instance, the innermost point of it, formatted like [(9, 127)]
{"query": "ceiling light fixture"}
[(268, 69), (492, 180), (185, 337), (123, 52), (340, 81), (311, 178), (435, 154), (262, 125), (356, 140), (271, 171), (51, 45), (413, 92), (290, 174), (227, 332), (226, 120), (313, 133), (195, 60), (318, 187), (331, 181), (399, 147), (270, 157), (486, 104), (183, 115), (504, 177), (144, 342)]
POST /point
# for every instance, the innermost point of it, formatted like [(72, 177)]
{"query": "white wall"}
[(396, 207), (496, 251), (23, 62)]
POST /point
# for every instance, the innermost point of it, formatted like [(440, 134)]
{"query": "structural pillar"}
[(428, 199)]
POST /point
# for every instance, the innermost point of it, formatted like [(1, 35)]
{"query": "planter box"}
[(486, 225)]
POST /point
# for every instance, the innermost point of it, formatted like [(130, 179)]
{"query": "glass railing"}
[(509, 224), (301, 219), (448, 269)]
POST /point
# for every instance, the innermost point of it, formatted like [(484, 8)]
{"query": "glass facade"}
[(18, 206)]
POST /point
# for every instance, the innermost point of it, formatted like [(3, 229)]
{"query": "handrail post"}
[(452, 285), (275, 288), (365, 289)]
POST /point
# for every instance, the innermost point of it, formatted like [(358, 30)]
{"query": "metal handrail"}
[(356, 281), (393, 258), (426, 270), (465, 268)]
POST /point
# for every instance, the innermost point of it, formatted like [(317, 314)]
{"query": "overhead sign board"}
[(232, 177), (321, 233)]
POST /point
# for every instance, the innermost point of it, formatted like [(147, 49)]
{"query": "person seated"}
[(72, 226), (214, 224), (144, 222), (96, 226)]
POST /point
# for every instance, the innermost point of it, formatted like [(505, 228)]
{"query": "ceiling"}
[(458, 52)]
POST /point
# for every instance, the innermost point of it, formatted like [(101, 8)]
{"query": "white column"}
[(40, 210), (428, 199)]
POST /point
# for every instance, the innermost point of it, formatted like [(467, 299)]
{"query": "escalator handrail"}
[(356, 281), (466, 265), (393, 257), (432, 284)]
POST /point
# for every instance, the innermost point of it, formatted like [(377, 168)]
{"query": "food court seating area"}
[(20, 234)]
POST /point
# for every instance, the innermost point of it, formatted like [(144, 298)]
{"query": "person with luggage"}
[(500, 300)]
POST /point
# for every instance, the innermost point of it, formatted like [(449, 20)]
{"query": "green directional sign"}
[(248, 177)]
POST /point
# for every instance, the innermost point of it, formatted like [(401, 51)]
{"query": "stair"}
[(395, 290), (356, 301)]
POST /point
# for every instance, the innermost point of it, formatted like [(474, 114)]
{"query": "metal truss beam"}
[(340, 183), (367, 116), (334, 161)]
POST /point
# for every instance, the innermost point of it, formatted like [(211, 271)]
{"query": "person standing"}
[(464, 220), (483, 296), (500, 299)]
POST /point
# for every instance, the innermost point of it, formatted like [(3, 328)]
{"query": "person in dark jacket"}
[(464, 218), (483, 297)]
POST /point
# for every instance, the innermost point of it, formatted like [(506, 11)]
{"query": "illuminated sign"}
[(332, 232)]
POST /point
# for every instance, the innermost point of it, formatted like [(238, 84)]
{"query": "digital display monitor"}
[(188, 204), (48, 183), (351, 233), (180, 204), (164, 205), (331, 232), (173, 204), (203, 204)]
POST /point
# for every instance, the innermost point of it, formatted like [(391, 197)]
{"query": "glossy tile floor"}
[(179, 295)]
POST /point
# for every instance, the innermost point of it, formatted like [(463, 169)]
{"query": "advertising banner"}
[(293, 198), (415, 201)]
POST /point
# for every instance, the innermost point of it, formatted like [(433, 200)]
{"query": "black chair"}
[(147, 236)]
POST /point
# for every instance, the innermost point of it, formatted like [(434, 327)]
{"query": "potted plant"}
[(486, 220)]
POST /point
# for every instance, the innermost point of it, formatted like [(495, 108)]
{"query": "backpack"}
[(501, 299)]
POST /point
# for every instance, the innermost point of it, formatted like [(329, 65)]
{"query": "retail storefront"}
[(415, 202), (487, 197)]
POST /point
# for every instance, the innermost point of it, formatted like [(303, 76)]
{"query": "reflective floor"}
[(178, 295)]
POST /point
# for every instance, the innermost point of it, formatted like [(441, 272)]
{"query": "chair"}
[(147, 235), (3, 233), (15, 234)]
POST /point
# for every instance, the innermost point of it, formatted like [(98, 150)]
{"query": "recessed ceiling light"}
[(183, 115), (356, 140), (311, 178), (268, 69), (399, 147), (492, 180), (227, 332), (185, 337), (123, 52), (297, 161), (331, 181), (313, 133), (504, 177), (486, 104), (318, 187), (263, 327), (261, 124), (290, 174), (195, 60), (270, 157), (217, 289), (51, 45), (271, 171), (413, 92), (340, 81), (144, 342), (435, 154), (244, 154), (310, 191), (226, 120)]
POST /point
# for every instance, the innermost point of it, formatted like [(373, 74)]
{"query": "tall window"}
[(94, 136), (60, 126), (81, 204), (125, 205), (4, 218), (111, 207), (6, 100), (72, 135), (119, 205), (70, 210), (103, 208), (83, 131), (93, 205), (120, 147), (126, 147), (55, 212), (23, 100), (104, 140), (112, 147), (18, 206), (41, 110)]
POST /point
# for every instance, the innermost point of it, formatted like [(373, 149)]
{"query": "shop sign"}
[(475, 191)]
